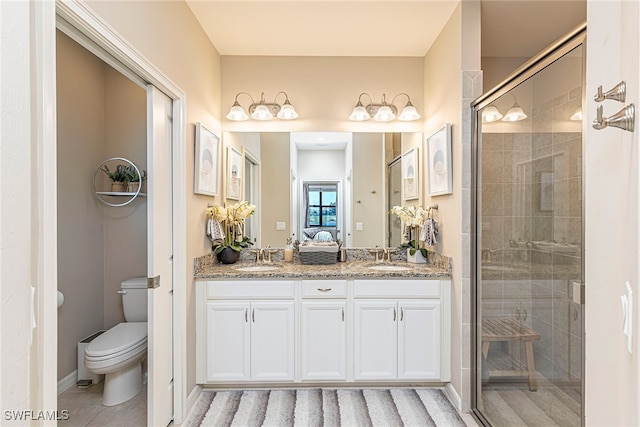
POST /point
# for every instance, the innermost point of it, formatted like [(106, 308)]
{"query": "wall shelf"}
[(104, 195), (120, 194)]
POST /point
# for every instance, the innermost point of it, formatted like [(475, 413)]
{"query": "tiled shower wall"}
[(532, 231)]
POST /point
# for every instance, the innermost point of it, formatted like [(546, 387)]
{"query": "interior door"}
[(160, 259)]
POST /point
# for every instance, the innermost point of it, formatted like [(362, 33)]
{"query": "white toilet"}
[(118, 353)]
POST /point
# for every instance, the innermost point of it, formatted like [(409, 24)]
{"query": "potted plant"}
[(118, 177), (133, 179), (230, 240), (413, 217)]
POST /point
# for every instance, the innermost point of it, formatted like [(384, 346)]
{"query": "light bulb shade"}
[(409, 113), (287, 112), (261, 112), (577, 116), (384, 114), (237, 113), (359, 113), (514, 114), (491, 114)]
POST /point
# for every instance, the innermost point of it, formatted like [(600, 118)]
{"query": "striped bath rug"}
[(328, 407)]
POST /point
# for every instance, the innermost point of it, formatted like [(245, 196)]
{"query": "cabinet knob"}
[(401, 313), (253, 315), (324, 289), (394, 314)]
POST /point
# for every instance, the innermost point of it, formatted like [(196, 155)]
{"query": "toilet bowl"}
[(118, 354)]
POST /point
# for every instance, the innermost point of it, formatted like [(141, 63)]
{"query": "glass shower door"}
[(529, 222)]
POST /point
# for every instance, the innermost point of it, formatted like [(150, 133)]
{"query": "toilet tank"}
[(134, 299)]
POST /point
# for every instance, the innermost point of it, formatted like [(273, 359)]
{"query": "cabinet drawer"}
[(397, 288), (250, 289), (324, 288)]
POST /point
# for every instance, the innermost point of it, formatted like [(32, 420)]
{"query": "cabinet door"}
[(228, 341), (376, 340), (419, 340), (324, 340), (272, 341)]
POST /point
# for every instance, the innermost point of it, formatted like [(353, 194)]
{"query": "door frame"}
[(105, 40)]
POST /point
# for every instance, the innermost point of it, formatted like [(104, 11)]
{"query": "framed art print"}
[(439, 162), (410, 175), (207, 161), (234, 174)]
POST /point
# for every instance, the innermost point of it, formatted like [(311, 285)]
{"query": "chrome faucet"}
[(386, 253), (263, 254), (376, 254)]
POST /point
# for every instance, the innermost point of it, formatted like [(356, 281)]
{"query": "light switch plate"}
[(359, 226), (281, 225)]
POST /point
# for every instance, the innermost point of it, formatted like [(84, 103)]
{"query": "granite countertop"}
[(207, 267)]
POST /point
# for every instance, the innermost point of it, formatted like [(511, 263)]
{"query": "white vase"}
[(416, 258)]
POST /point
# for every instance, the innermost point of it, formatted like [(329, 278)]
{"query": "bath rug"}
[(328, 407)]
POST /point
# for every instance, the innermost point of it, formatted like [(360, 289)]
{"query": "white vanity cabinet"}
[(323, 330), (401, 330), (249, 333)]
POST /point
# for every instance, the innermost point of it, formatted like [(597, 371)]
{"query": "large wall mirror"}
[(342, 184)]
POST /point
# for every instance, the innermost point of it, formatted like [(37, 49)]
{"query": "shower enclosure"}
[(527, 264)]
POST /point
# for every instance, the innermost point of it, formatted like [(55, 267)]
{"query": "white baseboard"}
[(193, 397), (67, 382), (454, 397)]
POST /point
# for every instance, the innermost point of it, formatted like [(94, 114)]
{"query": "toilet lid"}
[(121, 337)]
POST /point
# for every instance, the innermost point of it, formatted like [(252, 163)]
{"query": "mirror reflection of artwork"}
[(439, 161), (234, 174), (205, 180), (410, 176)]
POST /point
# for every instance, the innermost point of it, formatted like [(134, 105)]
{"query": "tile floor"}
[(85, 409)]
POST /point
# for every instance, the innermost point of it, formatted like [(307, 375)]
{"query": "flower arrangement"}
[(231, 219), (413, 217)]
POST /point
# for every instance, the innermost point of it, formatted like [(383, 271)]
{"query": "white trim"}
[(78, 15), (193, 398), (45, 189), (67, 382), (453, 396)]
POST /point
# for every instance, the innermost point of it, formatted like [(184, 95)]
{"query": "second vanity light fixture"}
[(492, 114), (262, 110), (383, 112)]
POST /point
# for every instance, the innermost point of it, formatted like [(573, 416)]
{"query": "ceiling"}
[(510, 28)]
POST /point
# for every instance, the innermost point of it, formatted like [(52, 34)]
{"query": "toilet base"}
[(122, 385)]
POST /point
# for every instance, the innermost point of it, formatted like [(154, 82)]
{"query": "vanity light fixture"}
[(577, 116), (262, 110), (383, 112), (491, 113), (515, 113)]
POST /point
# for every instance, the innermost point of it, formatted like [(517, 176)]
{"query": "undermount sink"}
[(259, 268), (389, 268)]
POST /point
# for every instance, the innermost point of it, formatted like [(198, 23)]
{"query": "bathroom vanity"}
[(346, 323)]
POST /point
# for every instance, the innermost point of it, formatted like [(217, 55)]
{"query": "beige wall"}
[(80, 95), (172, 39), (453, 79), (276, 188), (323, 90), (442, 76), (369, 174), (125, 228)]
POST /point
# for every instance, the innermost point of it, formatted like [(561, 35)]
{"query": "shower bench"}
[(505, 329)]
